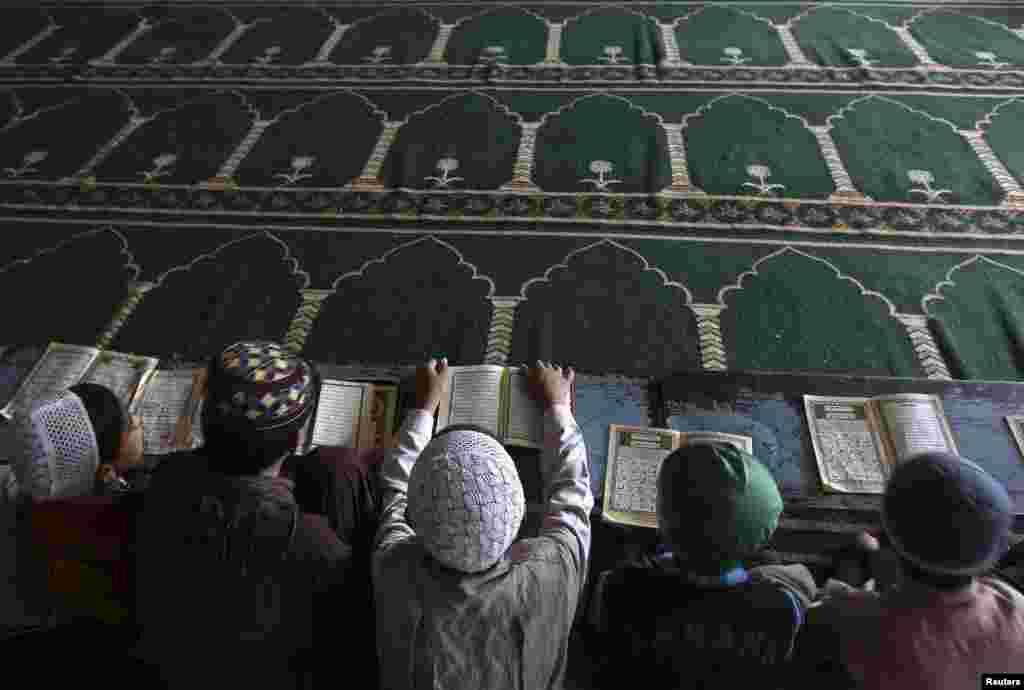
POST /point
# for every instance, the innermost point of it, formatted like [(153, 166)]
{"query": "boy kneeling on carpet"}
[(82, 442), (237, 585), (938, 615), (252, 530), (695, 617), (459, 604), (80, 453)]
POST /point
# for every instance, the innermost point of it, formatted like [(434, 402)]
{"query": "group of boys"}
[(401, 568)]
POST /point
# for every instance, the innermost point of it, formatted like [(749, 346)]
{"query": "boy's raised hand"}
[(550, 384), (433, 381)]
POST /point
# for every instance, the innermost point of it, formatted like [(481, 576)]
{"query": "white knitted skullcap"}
[(465, 500), (59, 453)]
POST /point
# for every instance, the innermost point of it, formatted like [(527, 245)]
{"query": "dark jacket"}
[(687, 634), (233, 580)]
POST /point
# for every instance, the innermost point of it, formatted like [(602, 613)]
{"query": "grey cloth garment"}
[(231, 576), (506, 627), (795, 577)]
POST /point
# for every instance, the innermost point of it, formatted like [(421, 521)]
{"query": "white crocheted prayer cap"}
[(466, 502), (59, 454)]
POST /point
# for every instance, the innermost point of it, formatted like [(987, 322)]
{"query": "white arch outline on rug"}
[(936, 294), (955, 11), (920, 13), (876, 20), (287, 258), (610, 6), (137, 11), (377, 15), (849, 107), (991, 115), (45, 11), (226, 9), (371, 106), (576, 101), (192, 101), (703, 110), (564, 263), (498, 104), (738, 285), (492, 10), (383, 258), (125, 251), (19, 108), (796, 18), (687, 17), (133, 108)]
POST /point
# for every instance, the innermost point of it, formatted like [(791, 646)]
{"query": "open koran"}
[(635, 455), (169, 401), (1016, 424), (63, 366), (858, 441), (348, 413), (498, 399), (170, 404), (355, 415)]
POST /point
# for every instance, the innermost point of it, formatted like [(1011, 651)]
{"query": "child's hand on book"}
[(432, 383), (551, 384)]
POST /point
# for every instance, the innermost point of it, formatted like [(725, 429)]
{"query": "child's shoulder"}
[(1003, 591)]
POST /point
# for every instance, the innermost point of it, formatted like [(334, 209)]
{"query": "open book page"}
[(635, 455), (383, 401), (339, 414), (634, 461), (60, 367), (911, 424), (475, 398), (525, 415), (122, 373), (737, 441), (1016, 424), (164, 401), (845, 444)]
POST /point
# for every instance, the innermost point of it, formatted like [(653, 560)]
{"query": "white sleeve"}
[(566, 475), (413, 437)]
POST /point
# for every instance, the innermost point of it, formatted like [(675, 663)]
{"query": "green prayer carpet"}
[(636, 189)]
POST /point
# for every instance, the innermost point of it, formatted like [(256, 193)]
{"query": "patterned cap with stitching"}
[(466, 501), (59, 453), (260, 386)]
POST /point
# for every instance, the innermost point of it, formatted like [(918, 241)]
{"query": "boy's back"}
[(923, 637), (679, 632)]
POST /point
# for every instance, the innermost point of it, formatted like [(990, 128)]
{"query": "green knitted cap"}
[(716, 504)]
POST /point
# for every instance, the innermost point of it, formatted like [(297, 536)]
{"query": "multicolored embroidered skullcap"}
[(946, 515), (466, 502), (59, 453), (259, 386)]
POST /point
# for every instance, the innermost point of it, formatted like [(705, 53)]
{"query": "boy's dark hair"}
[(244, 453), (108, 416)]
